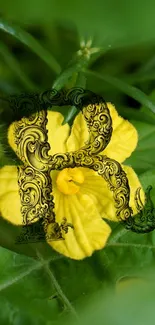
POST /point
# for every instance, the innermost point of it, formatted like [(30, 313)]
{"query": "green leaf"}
[(133, 304), (125, 88), (28, 40), (8, 239), (30, 283), (26, 285), (11, 315), (15, 67), (7, 155), (130, 255), (113, 25), (148, 114), (143, 158), (148, 178), (142, 114)]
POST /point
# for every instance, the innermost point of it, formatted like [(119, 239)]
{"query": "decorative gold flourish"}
[(33, 176), (34, 179)]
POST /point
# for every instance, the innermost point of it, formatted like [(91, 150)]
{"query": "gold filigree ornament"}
[(28, 137)]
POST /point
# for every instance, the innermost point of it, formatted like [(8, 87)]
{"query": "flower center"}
[(69, 180)]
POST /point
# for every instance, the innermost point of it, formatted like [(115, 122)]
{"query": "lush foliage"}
[(39, 41)]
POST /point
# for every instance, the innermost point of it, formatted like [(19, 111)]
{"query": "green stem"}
[(57, 287), (76, 65)]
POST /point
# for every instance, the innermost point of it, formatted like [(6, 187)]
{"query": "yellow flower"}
[(80, 194)]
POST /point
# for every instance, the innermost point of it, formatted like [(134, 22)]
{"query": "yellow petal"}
[(124, 137), (96, 187), (9, 195), (11, 136), (57, 133), (8, 179), (79, 134), (10, 203), (123, 141), (90, 232), (134, 183)]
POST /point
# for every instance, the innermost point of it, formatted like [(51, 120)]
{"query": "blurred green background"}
[(39, 41)]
